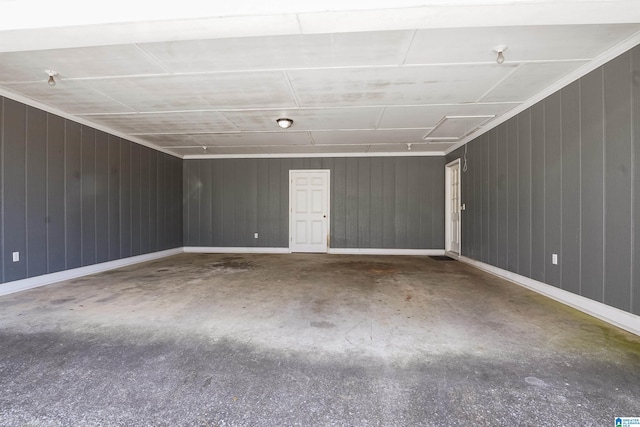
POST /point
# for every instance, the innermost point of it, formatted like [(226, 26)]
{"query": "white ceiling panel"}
[(430, 115), (537, 43), (311, 119), (319, 149), (230, 139), (70, 97), (529, 79), (174, 122), (198, 91), (395, 85), (456, 127), (76, 63), (283, 52), (352, 137)]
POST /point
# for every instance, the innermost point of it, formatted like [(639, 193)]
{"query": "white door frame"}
[(447, 207), (327, 216)]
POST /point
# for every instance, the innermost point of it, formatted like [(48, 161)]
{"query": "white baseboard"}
[(375, 251), (620, 318), (234, 250), (47, 279)]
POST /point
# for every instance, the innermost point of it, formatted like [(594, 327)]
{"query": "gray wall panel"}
[(553, 182), (125, 199), (617, 102), (55, 193), (364, 204), (71, 188), (153, 198), (135, 199), (102, 196), (249, 193), (377, 205), (578, 179), (114, 198), (524, 193), (592, 198), (36, 256), (570, 256), (73, 194), (15, 236), (145, 190), (512, 196), (88, 183), (501, 196), (351, 195), (537, 192), (492, 230)]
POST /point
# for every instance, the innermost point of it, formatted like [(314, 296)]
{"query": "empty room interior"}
[(382, 213)]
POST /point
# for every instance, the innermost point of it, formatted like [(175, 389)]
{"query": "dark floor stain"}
[(323, 325), (62, 301)]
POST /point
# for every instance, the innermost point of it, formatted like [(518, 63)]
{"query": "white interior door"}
[(452, 210), (309, 210)]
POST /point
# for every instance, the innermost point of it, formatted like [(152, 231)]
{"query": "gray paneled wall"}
[(74, 196), (564, 177), (394, 202)]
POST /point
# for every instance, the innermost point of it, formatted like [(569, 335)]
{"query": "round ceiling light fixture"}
[(284, 123)]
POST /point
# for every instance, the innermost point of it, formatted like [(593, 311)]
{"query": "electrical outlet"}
[(554, 259), (16, 256), (255, 235)]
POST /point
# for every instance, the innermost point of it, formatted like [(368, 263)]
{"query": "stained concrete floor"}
[(306, 340)]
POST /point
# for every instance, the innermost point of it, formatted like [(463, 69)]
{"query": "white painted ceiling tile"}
[(198, 91), (368, 136), (69, 97), (96, 61), (532, 43), (143, 123), (320, 149), (529, 79), (283, 52), (312, 119), (430, 115), (395, 85)]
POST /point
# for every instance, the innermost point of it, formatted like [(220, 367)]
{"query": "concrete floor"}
[(286, 340)]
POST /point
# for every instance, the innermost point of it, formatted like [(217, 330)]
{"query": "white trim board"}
[(376, 251), (234, 250), (622, 319), (47, 279), (314, 155)]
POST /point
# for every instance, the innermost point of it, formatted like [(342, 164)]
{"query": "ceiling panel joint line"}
[(152, 58), (292, 90)]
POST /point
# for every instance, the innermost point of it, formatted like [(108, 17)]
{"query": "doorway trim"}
[(327, 207), (447, 208)]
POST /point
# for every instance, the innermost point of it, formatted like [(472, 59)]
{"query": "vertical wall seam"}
[(544, 191), (64, 197), (604, 186), (26, 192), (632, 186), (561, 261), (580, 187)]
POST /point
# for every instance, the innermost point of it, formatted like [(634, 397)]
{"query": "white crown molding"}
[(312, 155)]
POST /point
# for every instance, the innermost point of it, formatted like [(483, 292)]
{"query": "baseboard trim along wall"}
[(234, 250), (375, 251), (47, 279), (622, 319)]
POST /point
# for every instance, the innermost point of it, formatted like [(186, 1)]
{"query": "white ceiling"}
[(354, 79)]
